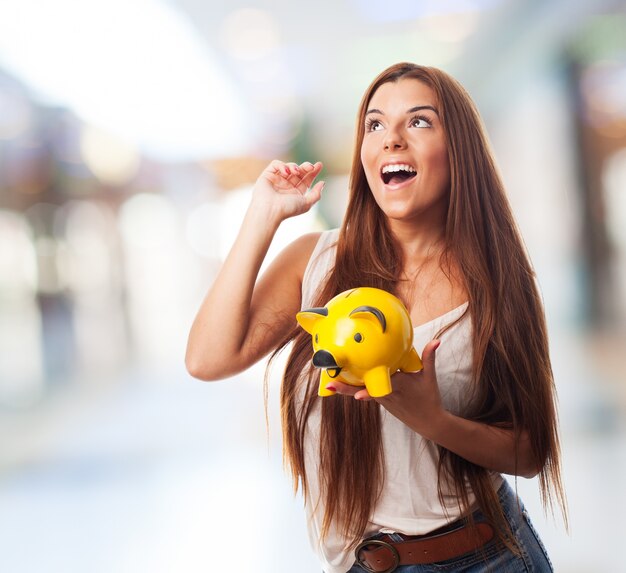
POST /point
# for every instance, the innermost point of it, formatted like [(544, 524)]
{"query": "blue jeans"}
[(494, 557)]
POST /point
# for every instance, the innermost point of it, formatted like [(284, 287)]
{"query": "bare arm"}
[(488, 446), (416, 401), (240, 319)]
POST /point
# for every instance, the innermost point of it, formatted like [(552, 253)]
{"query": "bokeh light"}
[(148, 222), (110, 159)]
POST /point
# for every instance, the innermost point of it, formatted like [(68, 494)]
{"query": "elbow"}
[(196, 370), (210, 368), (527, 464), (529, 472), (201, 369), (522, 468), (200, 362)]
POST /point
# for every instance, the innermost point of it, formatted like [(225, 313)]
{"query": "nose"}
[(324, 359), (394, 140)]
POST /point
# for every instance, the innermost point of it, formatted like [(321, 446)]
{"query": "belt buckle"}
[(392, 550)]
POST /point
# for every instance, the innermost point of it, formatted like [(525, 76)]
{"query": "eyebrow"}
[(412, 110)]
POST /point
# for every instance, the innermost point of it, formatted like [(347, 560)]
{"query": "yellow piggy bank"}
[(361, 337)]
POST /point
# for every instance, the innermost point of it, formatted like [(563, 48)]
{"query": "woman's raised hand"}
[(285, 188)]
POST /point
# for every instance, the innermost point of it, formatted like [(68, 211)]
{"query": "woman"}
[(416, 474)]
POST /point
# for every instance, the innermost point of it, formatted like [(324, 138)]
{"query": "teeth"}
[(398, 167)]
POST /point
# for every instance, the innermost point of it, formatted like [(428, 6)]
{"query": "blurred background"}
[(131, 132)]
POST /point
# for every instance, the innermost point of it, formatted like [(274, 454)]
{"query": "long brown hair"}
[(512, 385)]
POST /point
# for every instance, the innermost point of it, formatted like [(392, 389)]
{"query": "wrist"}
[(434, 427), (262, 215)]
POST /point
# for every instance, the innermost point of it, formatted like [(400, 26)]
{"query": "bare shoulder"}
[(305, 244), (296, 255)]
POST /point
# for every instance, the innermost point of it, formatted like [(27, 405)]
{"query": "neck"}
[(418, 243)]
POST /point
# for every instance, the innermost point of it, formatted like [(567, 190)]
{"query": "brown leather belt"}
[(382, 555)]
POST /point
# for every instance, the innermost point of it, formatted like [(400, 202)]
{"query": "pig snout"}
[(324, 359)]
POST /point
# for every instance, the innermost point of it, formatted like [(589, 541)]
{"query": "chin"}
[(397, 214)]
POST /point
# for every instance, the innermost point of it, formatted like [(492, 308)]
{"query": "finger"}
[(278, 167), (296, 178), (429, 354), (311, 170), (307, 181), (363, 395), (294, 169), (285, 176), (307, 172), (315, 194), (341, 388), (294, 175)]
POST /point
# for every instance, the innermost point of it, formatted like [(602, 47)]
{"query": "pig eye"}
[(317, 338), (358, 337)]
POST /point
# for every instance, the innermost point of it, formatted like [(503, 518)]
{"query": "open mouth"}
[(333, 372), (397, 173)]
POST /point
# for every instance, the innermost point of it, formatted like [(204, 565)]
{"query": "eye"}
[(373, 125), (317, 338), (420, 121), (358, 337)]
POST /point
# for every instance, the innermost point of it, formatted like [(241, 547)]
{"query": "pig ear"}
[(370, 312), (307, 318)]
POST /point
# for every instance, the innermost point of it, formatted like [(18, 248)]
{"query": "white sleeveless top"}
[(409, 502)]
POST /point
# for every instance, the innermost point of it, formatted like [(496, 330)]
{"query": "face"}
[(404, 152)]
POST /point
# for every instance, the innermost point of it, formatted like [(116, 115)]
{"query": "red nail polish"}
[(331, 388)]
